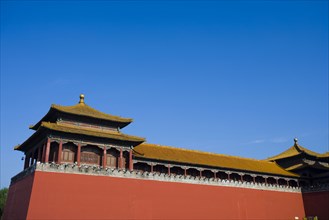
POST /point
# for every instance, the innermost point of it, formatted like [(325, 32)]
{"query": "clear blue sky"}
[(233, 77)]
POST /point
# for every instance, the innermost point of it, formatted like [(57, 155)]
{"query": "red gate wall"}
[(76, 196)]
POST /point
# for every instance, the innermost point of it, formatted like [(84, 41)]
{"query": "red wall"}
[(74, 196), (317, 204), (18, 199)]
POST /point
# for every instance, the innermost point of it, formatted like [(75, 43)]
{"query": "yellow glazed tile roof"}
[(91, 132), (85, 110), (296, 150), (165, 153), (296, 166), (326, 154)]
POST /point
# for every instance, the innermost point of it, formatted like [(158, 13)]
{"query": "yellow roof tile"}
[(296, 150), (91, 132), (82, 109), (165, 153), (85, 110)]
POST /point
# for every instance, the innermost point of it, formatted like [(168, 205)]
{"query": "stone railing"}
[(99, 171)]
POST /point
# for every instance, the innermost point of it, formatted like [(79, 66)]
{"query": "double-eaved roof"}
[(52, 122), (298, 159)]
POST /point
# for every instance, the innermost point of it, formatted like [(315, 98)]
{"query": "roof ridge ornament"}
[(82, 99), (296, 141)]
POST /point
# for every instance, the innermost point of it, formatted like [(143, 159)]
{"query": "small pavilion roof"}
[(165, 153), (82, 109), (295, 150)]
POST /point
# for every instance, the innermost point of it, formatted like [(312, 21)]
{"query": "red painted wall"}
[(74, 196), (18, 199), (317, 204)]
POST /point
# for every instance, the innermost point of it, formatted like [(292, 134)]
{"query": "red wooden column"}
[(121, 159), (79, 154), (185, 174), (47, 150), (43, 153), (60, 149), (131, 165), (215, 175), (151, 167), (39, 154), (200, 173), (104, 157), (169, 169)]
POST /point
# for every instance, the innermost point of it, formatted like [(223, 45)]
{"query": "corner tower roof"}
[(83, 110), (296, 150)]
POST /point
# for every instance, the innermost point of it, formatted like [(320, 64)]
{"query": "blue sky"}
[(233, 77)]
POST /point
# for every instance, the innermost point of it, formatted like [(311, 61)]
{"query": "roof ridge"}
[(65, 108)]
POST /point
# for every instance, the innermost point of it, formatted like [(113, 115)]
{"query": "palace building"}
[(80, 165)]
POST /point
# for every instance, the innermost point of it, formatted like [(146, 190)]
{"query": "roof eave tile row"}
[(112, 135), (198, 158)]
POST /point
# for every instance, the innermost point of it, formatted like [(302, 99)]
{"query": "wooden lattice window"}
[(112, 158), (67, 155), (90, 155)]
